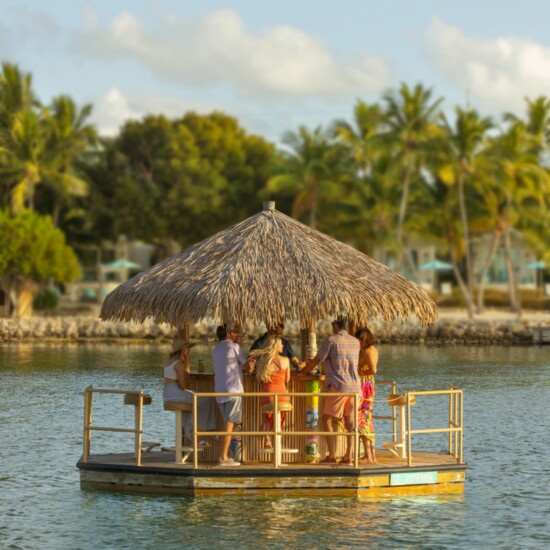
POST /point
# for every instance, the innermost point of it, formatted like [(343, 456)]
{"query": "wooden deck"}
[(431, 473)]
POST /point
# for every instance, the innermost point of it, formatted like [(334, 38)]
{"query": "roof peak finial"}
[(269, 205)]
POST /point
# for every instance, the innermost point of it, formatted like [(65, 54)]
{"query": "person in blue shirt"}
[(277, 330)]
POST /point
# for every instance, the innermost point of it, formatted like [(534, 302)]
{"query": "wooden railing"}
[(133, 397), (277, 431), (455, 422), (138, 399)]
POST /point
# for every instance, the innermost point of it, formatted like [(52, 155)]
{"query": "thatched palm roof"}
[(267, 268)]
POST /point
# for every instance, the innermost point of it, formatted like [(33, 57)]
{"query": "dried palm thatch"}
[(268, 268)]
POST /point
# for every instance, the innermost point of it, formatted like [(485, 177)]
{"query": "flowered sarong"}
[(366, 406)]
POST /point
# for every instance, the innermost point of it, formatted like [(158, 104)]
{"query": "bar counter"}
[(253, 419)]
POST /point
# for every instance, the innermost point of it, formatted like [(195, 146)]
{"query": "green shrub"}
[(45, 300)]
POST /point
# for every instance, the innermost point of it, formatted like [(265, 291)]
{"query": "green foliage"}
[(180, 179), (313, 171), (40, 147), (398, 169), (31, 248), (46, 300)]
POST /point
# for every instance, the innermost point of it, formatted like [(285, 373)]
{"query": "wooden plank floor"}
[(163, 459)]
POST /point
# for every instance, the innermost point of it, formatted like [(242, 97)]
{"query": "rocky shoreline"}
[(445, 331)]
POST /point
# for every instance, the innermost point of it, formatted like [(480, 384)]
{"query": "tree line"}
[(402, 167)]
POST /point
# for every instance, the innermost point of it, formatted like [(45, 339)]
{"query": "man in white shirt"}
[(228, 359)]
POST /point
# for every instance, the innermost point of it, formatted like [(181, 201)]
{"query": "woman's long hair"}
[(264, 356), (365, 335)]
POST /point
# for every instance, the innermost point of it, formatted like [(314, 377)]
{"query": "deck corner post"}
[(87, 423)]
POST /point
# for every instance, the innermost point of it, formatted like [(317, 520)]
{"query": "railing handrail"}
[(454, 429), (88, 428), (455, 421)]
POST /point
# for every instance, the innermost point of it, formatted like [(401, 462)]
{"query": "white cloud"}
[(217, 49), (498, 73), (115, 108)]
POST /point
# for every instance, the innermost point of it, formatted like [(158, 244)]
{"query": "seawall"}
[(444, 331)]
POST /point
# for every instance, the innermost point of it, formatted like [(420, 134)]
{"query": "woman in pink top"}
[(273, 372)]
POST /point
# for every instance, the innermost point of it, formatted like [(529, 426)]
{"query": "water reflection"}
[(505, 504)]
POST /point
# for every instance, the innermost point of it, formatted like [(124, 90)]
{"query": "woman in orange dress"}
[(273, 372)]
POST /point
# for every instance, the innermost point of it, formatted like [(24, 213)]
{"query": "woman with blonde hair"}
[(273, 372)]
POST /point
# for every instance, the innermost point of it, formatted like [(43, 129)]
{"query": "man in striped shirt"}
[(340, 353)]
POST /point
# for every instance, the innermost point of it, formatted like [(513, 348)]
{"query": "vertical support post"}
[(394, 417), (461, 457), (356, 432), (276, 431), (455, 434), (450, 423), (87, 423), (138, 426), (184, 334), (402, 431), (179, 435), (312, 341), (195, 438), (303, 343), (312, 402), (409, 449)]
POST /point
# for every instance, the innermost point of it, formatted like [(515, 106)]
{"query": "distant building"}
[(423, 252), (106, 267)]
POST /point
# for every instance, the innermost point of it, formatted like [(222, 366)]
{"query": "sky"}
[(276, 65)]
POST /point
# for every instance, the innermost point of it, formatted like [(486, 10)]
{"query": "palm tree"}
[(15, 94), (537, 123), (22, 164), (522, 181), (361, 135), (69, 138), (312, 169), (410, 116), (369, 214), (459, 156), (439, 222), (18, 130)]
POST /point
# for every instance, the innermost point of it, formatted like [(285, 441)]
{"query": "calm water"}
[(506, 502)]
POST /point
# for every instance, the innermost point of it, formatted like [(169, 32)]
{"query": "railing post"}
[(195, 437), (461, 428), (409, 450), (456, 415), (450, 423), (87, 423), (394, 417), (356, 433), (276, 428), (138, 425)]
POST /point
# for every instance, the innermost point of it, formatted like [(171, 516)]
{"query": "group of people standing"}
[(350, 366)]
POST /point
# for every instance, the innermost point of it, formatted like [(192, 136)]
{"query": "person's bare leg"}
[(350, 441), (267, 427), (365, 458), (331, 441), (372, 451), (226, 441)]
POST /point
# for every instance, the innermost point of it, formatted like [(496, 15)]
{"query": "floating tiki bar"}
[(270, 268)]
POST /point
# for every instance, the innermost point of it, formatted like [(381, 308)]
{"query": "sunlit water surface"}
[(506, 503)]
